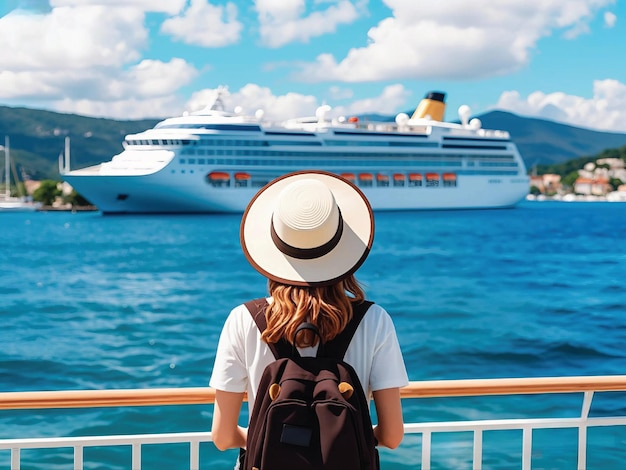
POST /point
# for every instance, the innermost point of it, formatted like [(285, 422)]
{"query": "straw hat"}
[(308, 228)]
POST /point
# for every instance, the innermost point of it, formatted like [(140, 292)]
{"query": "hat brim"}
[(342, 261)]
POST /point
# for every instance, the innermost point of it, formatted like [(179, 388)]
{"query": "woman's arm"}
[(225, 431), (390, 428)]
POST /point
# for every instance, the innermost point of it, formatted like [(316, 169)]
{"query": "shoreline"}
[(68, 209), (575, 198)]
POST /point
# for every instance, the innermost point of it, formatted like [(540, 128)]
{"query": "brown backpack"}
[(310, 412)]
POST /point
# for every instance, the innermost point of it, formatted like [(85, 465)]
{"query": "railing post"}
[(78, 457), (136, 457), (527, 448), (15, 458), (426, 437), (478, 450), (194, 455), (582, 430)]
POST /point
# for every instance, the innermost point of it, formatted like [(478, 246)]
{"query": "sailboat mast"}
[(7, 165), (66, 159)]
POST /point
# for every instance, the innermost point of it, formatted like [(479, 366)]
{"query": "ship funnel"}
[(431, 107)]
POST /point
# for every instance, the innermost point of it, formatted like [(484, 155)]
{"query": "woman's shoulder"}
[(376, 310), (377, 315), (240, 317)]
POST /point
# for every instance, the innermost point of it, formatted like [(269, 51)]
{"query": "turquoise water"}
[(92, 301)]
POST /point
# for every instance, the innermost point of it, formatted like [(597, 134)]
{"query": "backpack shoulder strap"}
[(257, 309), (337, 347)]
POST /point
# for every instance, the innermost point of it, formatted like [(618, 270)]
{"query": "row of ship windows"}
[(315, 163), (342, 155), (223, 179), (476, 172), (315, 143)]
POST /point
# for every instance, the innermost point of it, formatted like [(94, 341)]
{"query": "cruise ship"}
[(214, 161)]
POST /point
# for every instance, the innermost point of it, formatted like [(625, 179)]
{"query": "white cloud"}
[(153, 78), (454, 39), (340, 93), (606, 110), (252, 97), (127, 108), (146, 90), (103, 37), (204, 24), (84, 57), (392, 98), (171, 7), (609, 19), (286, 21)]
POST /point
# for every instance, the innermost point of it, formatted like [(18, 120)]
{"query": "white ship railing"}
[(588, 386)]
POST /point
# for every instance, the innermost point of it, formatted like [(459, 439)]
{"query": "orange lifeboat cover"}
[(219, 175)]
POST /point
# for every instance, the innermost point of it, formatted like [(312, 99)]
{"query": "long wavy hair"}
[(329, 308)]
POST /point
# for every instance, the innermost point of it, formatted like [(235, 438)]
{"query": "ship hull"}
[(165, 193)]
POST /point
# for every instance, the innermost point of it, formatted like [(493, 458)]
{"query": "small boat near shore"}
[(10, 203), (214, 161)]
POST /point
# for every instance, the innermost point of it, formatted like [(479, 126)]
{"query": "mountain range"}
[(37, 138)]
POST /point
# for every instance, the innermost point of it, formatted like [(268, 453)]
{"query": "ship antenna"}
[(218, 104)]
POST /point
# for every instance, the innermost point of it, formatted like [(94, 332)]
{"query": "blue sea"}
[(93, 302)]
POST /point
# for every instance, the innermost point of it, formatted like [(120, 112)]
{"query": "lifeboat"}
[(366, 179), (241, 176), (349, 176), (218, 178), (415, 179), (242, 179), (398, 179), (449, 179), (432, 179), (382, 179)]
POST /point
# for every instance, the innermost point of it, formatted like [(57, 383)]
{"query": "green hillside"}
[(571, 166), (543, 142), (37, 138)]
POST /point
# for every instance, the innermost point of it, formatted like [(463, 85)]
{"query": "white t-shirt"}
[(241, 357)]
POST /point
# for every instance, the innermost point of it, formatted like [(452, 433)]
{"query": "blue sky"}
[(127, 59)]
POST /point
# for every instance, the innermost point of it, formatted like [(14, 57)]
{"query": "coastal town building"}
[(546, 184), (592, 186)]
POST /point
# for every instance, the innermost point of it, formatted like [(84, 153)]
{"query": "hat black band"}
[(308, 253)]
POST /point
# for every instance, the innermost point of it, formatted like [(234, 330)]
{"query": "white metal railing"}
[(449, 388)]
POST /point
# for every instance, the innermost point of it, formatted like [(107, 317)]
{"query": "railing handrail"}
[(206, 395)]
